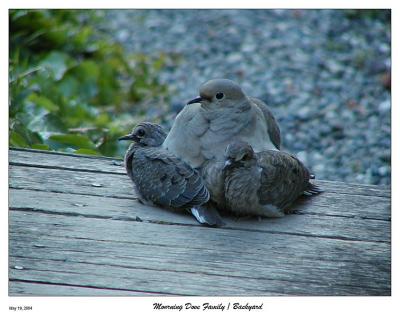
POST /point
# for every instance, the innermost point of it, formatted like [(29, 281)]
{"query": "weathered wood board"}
[(76, 228)]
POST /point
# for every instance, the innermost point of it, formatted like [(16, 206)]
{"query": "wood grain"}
[(119, 186), (62, 244), (126, 209), (26, 288), (76, 228)]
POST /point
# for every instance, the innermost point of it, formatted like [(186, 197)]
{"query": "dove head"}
[(238, 153), (146, 134), (219, 93)]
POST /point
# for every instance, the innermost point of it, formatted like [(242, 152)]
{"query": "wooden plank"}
[(74, 182), (98, 184), (179, 283), (153, 257), (125, 209), (57, 160), (76, 226), (353, 206), (355, 189), (167, 258), (24, 288), (59, 225)]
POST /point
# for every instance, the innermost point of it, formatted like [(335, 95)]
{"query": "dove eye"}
[(219, 95), (140, 133), (246, 157)]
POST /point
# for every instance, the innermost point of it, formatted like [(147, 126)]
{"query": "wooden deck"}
[(76, 228)]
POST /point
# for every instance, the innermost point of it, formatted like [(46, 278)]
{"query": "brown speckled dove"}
[(261, 184), (163, 179), (223, 113)]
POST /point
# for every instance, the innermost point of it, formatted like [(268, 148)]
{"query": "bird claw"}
[(237, 218), (293, 212)]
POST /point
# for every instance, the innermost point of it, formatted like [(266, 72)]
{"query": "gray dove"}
[(163, 179), (262, 184), (221, 114)]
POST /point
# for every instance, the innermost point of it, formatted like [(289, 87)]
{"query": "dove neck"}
[(129, 157), (241, 165), (228, 110), (131, 149)]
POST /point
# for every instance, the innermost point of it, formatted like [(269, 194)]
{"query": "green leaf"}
[(38, 146), (159, 63), (87, 152), (16, 77), (68, 86), (80, 141), (43, 101), (87, 73), (66, 71), (57, 62), (102, 120), (17, 140), (82, 38)]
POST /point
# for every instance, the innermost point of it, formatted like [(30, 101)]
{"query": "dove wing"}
[(273, 128), (166, 180), (284, 178)]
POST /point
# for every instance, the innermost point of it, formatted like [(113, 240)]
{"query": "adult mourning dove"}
[(163, 179), (262, 184), (222, 113)]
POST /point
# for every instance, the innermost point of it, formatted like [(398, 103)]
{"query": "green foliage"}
[(72, 88)]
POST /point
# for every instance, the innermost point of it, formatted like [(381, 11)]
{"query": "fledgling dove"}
[(163, 179), (261, 184), (221, 114)]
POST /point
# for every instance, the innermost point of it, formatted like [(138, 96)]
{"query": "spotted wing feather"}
[(284, 178), (166, 180), (273, 127)]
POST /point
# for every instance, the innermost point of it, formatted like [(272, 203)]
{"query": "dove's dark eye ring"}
[(140, 133), (219, 95)]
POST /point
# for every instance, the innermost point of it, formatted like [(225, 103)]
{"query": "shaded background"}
[(79, 78)]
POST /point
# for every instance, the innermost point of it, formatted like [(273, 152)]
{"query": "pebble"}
[(302, 156), (117, 163), (384, 106), (79, 205), (384, 170)]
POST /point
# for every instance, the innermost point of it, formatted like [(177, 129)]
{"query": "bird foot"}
[(247, 217), (293, 212)]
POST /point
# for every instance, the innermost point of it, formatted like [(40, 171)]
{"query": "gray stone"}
[(384, 106)]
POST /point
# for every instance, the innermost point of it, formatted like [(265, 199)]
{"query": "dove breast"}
[(184, 138)]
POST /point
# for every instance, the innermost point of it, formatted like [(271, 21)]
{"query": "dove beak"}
[(227, 163), (127, 137), (195, 100)]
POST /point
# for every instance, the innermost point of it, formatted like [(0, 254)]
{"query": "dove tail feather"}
[(312, 190), (207, 215)]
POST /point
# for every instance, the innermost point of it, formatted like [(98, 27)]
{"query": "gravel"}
[(324, 73)]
